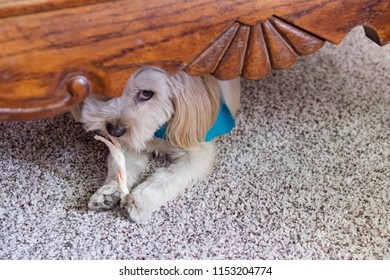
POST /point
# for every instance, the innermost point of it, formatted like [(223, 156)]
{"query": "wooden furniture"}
[(55, 52)]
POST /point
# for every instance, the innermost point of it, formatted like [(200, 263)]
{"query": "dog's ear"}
[(196, 102), (76, 111)]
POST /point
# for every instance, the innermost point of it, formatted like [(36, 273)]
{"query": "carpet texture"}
[(304, 175)]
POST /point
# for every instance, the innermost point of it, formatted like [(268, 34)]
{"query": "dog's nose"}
[(115, 129)]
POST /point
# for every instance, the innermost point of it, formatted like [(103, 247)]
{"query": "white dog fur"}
[(188, 104)]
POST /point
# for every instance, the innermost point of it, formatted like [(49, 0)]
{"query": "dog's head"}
[(187, 105)]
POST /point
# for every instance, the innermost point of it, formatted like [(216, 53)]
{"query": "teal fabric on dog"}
[(223, 125)]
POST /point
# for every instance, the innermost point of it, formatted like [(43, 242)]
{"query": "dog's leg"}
[(188, 167), (108, 196)]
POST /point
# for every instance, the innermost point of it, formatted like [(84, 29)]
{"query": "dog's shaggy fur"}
[(188, 105)]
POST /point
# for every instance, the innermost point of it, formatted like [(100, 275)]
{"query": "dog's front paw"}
[(105, 198), (137, 207)]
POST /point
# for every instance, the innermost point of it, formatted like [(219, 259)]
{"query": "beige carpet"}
[(305, 175)]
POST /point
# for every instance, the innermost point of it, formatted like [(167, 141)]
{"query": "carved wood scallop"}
[(252, 51)]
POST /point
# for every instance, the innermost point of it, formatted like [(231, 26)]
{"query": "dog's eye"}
[(103, 97), (106, 98), (144, 95)]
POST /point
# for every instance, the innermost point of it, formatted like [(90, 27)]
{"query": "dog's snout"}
[(115, 130)]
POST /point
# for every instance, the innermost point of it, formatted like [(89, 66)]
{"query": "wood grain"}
[(257, 63), (45, 44), (302, 42), (23, 7), (281, 53), (231, 64), (208, 60)]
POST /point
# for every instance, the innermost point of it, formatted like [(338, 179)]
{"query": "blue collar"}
[(223, 125)]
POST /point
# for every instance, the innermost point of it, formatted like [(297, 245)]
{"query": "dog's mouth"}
[(121, 140)]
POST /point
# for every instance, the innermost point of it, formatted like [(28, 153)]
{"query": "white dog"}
[(160, 114)]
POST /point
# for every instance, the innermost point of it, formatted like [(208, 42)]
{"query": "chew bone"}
[(115, 150)]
